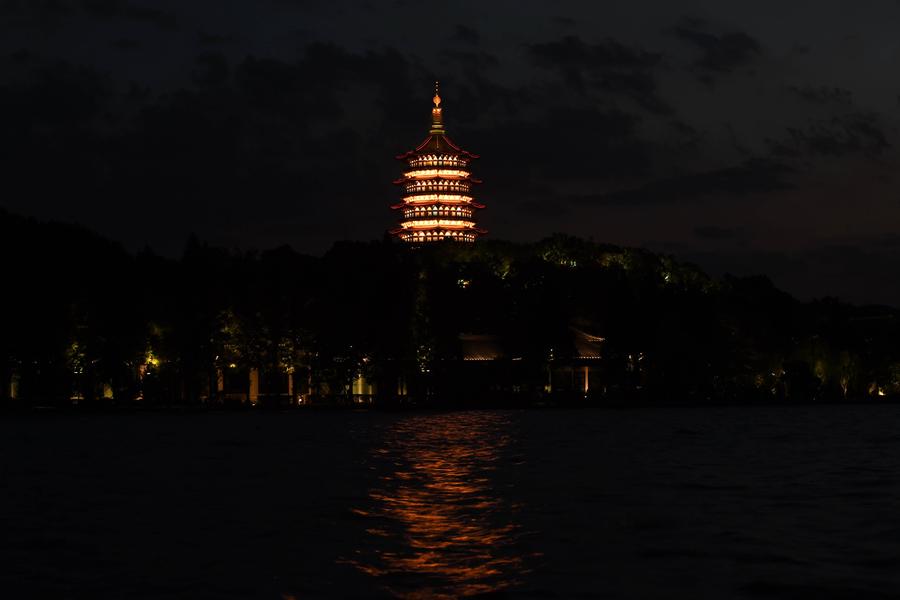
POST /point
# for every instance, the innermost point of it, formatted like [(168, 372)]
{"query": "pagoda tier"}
[(437, 184)]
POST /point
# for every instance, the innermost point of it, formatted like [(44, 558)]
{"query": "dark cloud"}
[(890, 240), (567, 143), (118, 9), (718, 53), (55, 96), (311, 88), (466, 34), (278, 88), (564, 21), (126, 44), (716, 233), (687, 138), (215, 39), (47, 11), (472, 60), (270, 134), (638, 85), (529, 162), (572, 52), (853, 272), (543, 204), (851, 134), (856, 272), (479, 101), (21, 56), (212, 70), (754, 176), (823, 94), (608, 66)]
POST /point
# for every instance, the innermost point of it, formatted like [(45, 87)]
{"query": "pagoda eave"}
[(435, 229), (402, 230), (466, 179), (470, 227), (431, 139), (413, 203)]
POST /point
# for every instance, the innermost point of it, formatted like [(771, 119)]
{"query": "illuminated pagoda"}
[(437, 203)]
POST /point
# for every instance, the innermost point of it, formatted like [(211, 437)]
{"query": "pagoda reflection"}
[(439, 524)]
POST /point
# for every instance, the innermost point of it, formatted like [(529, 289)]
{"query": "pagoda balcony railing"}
[(426, 223), (437, 161), (439, 212), (445, 198), (431, 173), (437, 186), (437, 236)]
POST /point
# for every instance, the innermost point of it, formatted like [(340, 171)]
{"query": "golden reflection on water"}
[(438, 522)]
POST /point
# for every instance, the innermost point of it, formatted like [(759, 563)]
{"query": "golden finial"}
[(437, 96)]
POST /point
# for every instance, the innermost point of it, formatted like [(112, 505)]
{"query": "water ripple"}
[(437, 524)]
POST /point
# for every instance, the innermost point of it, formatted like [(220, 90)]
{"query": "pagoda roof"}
[(437, 143)]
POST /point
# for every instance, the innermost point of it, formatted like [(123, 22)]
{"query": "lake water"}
[(787, 502)]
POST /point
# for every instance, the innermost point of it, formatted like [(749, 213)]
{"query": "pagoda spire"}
[(437, 120)]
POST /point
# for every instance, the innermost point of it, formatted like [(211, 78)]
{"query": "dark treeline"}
[(85, 322)]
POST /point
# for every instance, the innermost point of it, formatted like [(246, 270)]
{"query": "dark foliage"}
[(84, 320)]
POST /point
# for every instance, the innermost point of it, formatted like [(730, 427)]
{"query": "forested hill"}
[(79, 310)]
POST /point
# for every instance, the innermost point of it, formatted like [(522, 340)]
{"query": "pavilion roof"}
[(587, 346), (481, 347)]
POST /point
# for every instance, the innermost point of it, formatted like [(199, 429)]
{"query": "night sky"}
[(748, 137)]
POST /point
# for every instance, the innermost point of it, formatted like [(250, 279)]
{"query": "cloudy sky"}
[(748, 137)]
